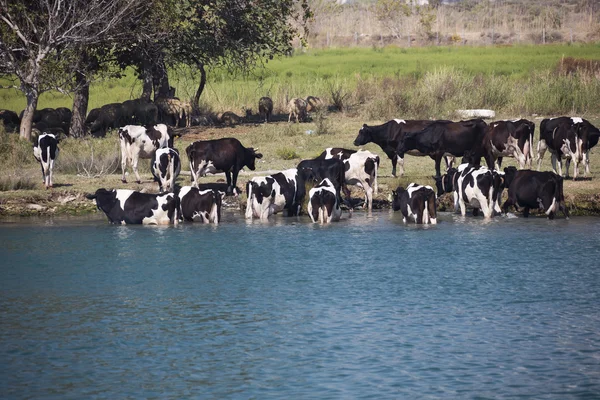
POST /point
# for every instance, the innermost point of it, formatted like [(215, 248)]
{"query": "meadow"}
[(359, 86)]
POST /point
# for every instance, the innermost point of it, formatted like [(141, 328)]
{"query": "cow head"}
[(364, 136), (396, 197), (407, 143), (509, 175), (252, 155), (445, 183)]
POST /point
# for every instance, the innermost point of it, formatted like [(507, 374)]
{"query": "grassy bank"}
[(283, 146)]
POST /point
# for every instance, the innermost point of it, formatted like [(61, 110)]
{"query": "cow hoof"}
[(124, 180), (138, 182)]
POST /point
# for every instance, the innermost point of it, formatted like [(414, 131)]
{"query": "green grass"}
[(315, 72)]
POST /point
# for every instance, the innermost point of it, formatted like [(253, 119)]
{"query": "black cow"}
[(388, 137), (442, 137), (533, 189), (165, 166), (570, 138), (268, 195), (416, 202), (220, 155), (509, 139), (129, 207), (46, 151), (200, 205), (317, 170)]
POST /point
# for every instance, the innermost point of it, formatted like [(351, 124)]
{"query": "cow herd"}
[(472, 184)]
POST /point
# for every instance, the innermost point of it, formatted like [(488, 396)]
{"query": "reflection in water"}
[(365, 307)]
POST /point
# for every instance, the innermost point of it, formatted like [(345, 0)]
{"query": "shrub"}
[(323, 126), (92, 158), (287, 154)]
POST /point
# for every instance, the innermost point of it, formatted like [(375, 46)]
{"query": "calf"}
[(46, 151), (200, 205), (416, 202), (360, 169), (129, 207), (508, 139), (297, 108), (388, 137), (265, 108), (142, 142), (271, 194), (444, 137), (166, 167), (533, 189), (570, 138), (323, 204), (220, 155)]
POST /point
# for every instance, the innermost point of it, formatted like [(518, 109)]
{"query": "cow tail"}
[(214, 210), (375, 187), (322, 208), (531, 149), (426, 212)]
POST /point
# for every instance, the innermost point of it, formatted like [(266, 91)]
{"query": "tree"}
[(41, 39)]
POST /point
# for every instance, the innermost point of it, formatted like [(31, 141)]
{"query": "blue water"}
[(365, 308)]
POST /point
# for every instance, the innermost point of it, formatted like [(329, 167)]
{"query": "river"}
[(364, 308)]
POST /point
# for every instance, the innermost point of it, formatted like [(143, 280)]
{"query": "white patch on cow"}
[(399, 121), (553, 207), (576, 120), (183, 191), (122, 196)]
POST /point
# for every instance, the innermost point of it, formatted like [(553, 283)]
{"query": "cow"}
[(417, 202), (317, 170), (475, 185), (442, 137), (323, 204), (166, 166), (534, 189), (297, 109), (123, 206), (200, 205), (141, 142), (509, 139), (265, 108), (360, 169), (570, 138), (45, 150), (220, 155), (388, 136), (268, 195)]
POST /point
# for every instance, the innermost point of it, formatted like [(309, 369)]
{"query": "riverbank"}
[(283, 145)]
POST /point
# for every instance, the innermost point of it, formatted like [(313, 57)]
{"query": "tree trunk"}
[(80, 105), (147, 81), (32, 96), (201, 87), (160, 78)]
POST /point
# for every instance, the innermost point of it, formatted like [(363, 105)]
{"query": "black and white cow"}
[(417, 202), (141, 142), (220, 155), (317, 170), (388, 137), (46, 152), (166, 166), (570, 138), (533, 189), (268, 195), (323, 204), (474, 185), (130, 207), (509, 139), (360, 169), (200, 205), (444, 137)]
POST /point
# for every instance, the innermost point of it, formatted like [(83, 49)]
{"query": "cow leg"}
[(586, 163), (553, 160), (394, 162), (50, 171), (575, 168), (400, 162), (124, 159), (499, 161), (567, 165), (438, 161), (134, 164), (475, 212), (526, 212), (449, 162), (463, 208), (230, 183), (541, 150), (368, 195)]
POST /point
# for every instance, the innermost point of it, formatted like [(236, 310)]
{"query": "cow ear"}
[(258, 155)]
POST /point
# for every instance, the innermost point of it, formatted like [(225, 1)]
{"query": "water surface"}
[(365, 308)]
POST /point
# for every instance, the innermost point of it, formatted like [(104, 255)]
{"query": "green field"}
[(512, 79)]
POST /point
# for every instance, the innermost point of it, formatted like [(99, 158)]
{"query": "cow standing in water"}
[(130, 207), (417, 202), (323, 204)]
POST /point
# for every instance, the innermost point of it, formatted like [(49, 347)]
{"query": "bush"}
[(287, 154), (92, 158), (323, 126)]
